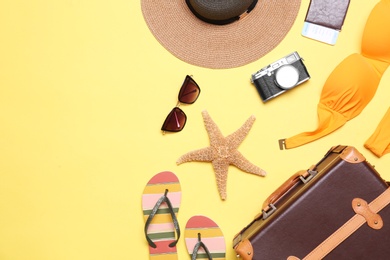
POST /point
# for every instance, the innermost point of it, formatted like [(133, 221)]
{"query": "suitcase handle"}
[(304, 176)]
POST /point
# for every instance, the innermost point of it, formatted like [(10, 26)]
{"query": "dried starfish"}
[(223, 152)]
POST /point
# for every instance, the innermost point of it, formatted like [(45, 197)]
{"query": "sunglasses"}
[(176, 119)]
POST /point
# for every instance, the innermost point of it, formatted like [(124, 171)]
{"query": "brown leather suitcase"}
[(307, 212)]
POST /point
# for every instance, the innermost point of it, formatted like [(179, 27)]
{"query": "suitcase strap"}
[(364, 213)]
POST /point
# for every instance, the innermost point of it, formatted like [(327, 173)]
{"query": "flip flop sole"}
[(211, 236), (161, 230)]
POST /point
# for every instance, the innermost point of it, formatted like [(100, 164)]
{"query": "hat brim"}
[(219, 46)]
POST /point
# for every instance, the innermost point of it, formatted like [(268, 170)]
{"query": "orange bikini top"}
[(353, 83)]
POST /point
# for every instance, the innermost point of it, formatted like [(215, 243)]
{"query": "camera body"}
[(280, 76)]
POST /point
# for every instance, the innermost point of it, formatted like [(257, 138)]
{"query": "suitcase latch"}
[(310, 175), (269, 212)]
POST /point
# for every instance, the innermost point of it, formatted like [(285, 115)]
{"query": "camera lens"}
[(287, 76)]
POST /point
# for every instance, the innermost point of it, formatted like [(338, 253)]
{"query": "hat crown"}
[(220, 11)]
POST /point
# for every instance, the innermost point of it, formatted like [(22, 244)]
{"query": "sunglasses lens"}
[(175, 121), (189, 91)]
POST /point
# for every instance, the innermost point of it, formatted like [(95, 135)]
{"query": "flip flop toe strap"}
[(165, 199), (199, 245)]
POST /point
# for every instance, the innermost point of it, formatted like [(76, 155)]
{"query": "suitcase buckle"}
[(306, 179), (269, 212)]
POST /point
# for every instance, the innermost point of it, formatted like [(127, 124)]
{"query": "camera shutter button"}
[(287, 76)]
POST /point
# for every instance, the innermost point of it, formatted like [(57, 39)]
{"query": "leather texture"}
[(351, 155), (309, 213), (244, 250), (364, 213), (283, 189), (328, 13), (362, 208)]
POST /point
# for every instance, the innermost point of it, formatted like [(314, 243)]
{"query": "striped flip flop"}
[(160, 203), (204, 239)]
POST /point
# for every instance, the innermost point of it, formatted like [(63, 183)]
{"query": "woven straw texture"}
[(219, 46)]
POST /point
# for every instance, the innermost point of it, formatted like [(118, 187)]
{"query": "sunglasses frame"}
[(176, 111)]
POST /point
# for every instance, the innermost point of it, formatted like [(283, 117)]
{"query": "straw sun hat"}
[(208, 33)]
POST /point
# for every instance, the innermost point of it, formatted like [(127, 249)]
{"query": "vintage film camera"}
[(280, 76)]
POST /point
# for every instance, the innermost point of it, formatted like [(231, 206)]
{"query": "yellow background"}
[(84, 89)]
